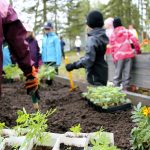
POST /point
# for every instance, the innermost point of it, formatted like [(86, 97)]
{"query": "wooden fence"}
[(140, 71)]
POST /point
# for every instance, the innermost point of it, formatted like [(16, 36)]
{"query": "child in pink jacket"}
[(122, 53)]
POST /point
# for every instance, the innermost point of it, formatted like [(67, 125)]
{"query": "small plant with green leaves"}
[(35, 123), (12, 72), (100, 141), (106, 96), (140, 135), (46, 71), (2, 126), (76, 129)]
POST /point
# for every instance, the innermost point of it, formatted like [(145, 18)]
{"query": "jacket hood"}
[(119, 31), (99, 34)]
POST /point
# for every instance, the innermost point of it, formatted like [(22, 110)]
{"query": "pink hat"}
[(109, 21)]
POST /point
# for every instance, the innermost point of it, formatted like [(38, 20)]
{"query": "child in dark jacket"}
[(93, 61)]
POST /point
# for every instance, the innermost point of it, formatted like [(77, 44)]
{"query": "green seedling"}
[(101, 142), (76, 129), (35, 123), (12, 71), (2, 126), (106, 96), (46, 71)]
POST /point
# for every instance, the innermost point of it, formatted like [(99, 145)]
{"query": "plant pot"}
[(110, 109), (8, 133), (15, 141), (66, 147), (51, 139), (109, 135), (79, 142)]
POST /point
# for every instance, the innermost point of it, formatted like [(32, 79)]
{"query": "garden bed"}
[(71, 109)]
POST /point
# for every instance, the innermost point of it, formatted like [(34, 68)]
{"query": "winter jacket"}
[(15, 34), (108, 33), (62, 43), (51, 49), (93, 61), (120, 43), (34, 51), (6, 57)]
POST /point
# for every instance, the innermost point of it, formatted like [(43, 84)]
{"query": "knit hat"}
[(117, 22), (95, 19), (48, 25), (109, 22)]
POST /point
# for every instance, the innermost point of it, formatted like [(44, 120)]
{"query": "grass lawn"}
[(146, 48), (79, 74)]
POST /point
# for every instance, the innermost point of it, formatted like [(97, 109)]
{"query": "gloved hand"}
[(75, 65), (70, 67), (36, 69), (32, 83)]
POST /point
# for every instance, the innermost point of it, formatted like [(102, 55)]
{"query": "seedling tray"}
[(110, 109)]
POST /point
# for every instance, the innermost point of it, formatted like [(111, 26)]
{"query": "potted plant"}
[(12, 72), (73, 140), (101, 141), (140, 135), (36, 125), (107, 98), (46, 72)]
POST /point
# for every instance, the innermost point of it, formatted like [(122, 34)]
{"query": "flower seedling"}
[(76, 129), (35, 123), (106, 96), (140, 135), (46, 71), (101, 142)]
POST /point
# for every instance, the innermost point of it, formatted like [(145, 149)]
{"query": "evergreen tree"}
[(125, 9), (77, 12)]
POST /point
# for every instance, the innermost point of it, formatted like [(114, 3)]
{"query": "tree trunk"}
[(36, 14), (44, 11), (55, 11)]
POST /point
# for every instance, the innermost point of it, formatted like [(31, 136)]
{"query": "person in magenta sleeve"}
[(14, 33)]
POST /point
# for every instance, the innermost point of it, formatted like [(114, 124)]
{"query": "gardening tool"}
[(72, 86)]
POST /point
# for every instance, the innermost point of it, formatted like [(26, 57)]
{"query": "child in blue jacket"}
[(6, 55), (51, 48)]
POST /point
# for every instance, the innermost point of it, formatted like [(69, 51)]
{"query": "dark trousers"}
[(63, 53), (78, 49), (123, 72)]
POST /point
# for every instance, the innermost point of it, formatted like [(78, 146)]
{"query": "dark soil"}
[(42, 148), (9, 148), (35, 148), (71, 109), (66, 147)]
